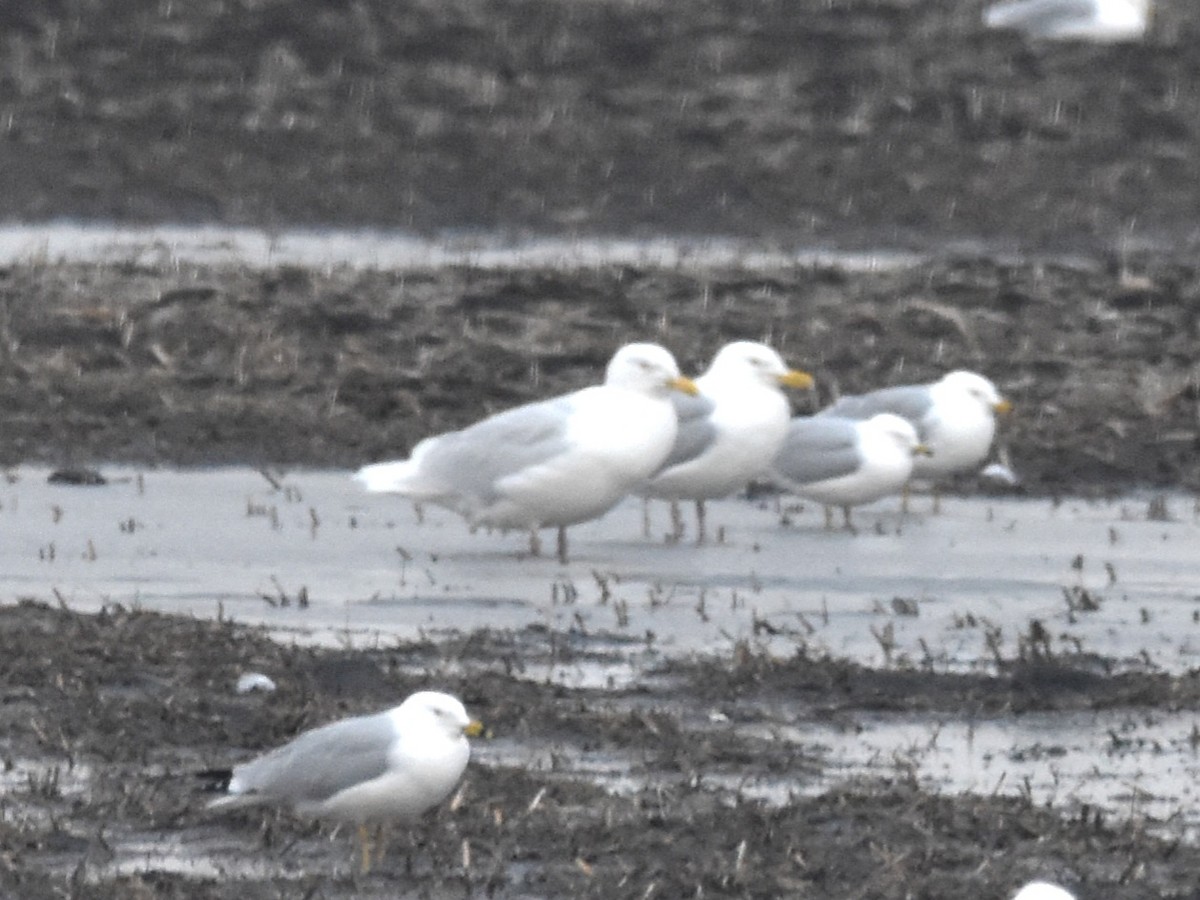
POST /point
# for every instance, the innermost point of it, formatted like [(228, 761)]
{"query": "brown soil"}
[(194, 366), (796, 122), (143, 702), (899, 122)]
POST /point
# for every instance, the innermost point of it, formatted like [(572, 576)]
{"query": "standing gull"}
[(846, 462), (390, 766), (1043, 890), (729, 434), (1072, 20), (553, 463), (955, 418)]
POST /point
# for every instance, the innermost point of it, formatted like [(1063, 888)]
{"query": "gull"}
[(1066, 20), (1043, 890), (552, 463), (847, 462), (730, 432), (390, 766), (955, 418)]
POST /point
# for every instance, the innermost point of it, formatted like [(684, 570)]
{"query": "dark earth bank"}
[(121, 709), (840, 122), (182, 365)]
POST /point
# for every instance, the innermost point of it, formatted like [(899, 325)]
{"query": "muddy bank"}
[(197, 365), (101, 800), (853, 124)]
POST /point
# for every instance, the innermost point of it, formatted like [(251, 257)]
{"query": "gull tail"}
[(387, 477), (219, 781), (215, 781)]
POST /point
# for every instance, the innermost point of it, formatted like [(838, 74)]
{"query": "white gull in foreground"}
[(553, 463), (847, 462), (1073, 20), (729, 434), (390, 766)]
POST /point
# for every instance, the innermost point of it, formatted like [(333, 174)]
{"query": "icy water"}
[(1120, 579), (66, 242), (313, 558)]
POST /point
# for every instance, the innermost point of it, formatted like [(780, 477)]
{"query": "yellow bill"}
[(794, 378), (684, 384)]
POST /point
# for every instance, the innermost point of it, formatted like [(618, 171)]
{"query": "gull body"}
[(552, 463), (392, 765), (955, 418), (1042, 890), (847, 462), (1065, 20), (731, 431)]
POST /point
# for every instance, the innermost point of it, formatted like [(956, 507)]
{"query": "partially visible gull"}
[(390, 766), (1042, 890), (729, 434), (955, 418), (552, 463), (846, 462), (1073, 20)]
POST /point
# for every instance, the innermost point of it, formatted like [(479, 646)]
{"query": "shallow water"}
[(950, 589), (1139, 765), (167, 245)]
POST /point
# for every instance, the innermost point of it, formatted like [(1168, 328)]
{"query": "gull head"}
[(758, 362), (440, 712), (648, 369), (977, 388), (900, 431)]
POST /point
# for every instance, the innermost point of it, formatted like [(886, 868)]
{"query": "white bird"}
[(1042, 890), (1103, 21), (955, 418), (847, 462), (729, 434), (552, 463), (390, 766)]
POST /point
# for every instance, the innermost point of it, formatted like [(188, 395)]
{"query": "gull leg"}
[(701, 533), (828, 518), (847, 520), (562, 544), (380, 842), (676, 522), (364, 843), (904, 499), (535, 543), (646, 517), (937, 501)]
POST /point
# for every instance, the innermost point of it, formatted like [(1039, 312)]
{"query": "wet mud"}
[(815, 121), (184, 365), (106, 719)]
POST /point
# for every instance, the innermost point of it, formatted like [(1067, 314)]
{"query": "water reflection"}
[(66, 242)]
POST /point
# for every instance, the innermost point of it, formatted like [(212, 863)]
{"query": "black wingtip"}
[(215, 781)]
